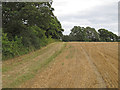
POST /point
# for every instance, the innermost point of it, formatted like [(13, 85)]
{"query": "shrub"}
[(11, 48)]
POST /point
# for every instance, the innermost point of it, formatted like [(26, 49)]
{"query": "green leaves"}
[(28, 26), (11, 48), (33, 21), (106, 35), (83, 34), (30, 14), (90, 34)]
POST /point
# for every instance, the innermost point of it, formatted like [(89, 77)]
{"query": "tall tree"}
[(18, 16), (106, 35), (32, 24), (90, 34)]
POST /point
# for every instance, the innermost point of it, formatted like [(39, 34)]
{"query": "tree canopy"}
[(19, 16), (32, 22), (90, 34)]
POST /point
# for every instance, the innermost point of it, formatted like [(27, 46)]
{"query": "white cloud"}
[(94, 13)]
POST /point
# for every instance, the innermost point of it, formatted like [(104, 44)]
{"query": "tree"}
[(33, 21), (84, 34), (18, 16), (66, 38), (77, 33), (90, 34), (106, 35)]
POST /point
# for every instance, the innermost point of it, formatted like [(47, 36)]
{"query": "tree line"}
[(28, 26), (90, 34)]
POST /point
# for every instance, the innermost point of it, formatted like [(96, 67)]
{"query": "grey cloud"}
[(105, 16), (100, 14)]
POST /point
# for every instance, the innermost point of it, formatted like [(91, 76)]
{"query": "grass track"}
[(34, 64)]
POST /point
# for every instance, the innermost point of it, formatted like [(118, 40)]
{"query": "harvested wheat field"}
[(72, 65)]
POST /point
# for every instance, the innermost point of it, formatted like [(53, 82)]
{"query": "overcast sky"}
[(94, 13)]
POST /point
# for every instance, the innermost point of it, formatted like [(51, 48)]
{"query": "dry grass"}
[(27, 66), (78, 65)]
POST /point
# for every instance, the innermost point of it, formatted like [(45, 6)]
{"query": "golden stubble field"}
[(79, 65)]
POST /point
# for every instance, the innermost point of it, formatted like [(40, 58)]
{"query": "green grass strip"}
[(34, 70)]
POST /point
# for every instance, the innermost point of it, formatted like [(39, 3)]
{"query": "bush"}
[(23, 45), (11, 48)]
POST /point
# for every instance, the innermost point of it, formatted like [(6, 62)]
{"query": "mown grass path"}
[(23, 68)]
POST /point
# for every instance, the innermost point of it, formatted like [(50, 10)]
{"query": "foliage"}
[(66, 38), (12, 48), (90, 34), (28, 26), (106, 35), (18, 16)]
